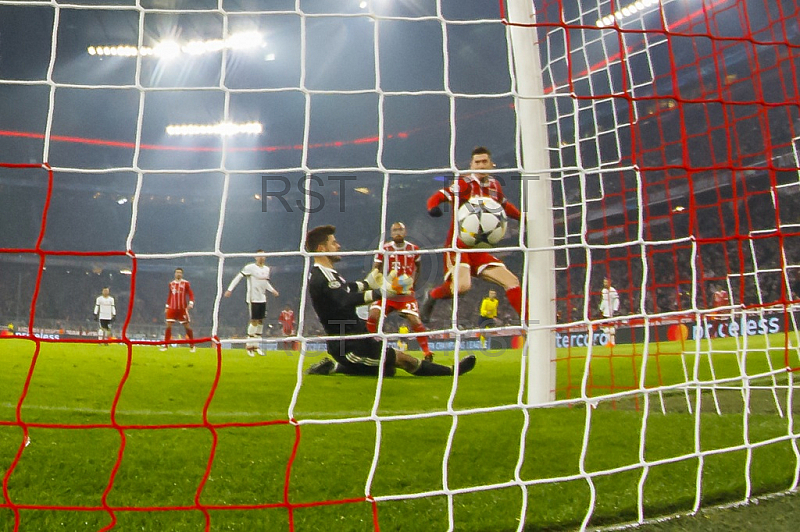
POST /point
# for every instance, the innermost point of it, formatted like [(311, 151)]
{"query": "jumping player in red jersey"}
[(477, 264), (406, 305), (179, 301)]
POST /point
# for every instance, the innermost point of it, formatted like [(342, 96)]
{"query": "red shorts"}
[(476, 260), (179, 315), (287, 331), (403, 305)]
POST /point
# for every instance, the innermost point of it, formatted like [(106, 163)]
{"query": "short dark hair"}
[(317, 236), (480, 150), (176, 269)]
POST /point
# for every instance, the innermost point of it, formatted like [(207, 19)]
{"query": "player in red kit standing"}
[(477, 264), (287, 321), (179, 301), (406, 305), (720, 298), (286, 318)]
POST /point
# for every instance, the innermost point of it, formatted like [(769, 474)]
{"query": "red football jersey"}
[(468, 187), (402, 264), (180, 293), (287, 319), (721, 298)]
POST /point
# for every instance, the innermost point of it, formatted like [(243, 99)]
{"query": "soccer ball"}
[(481, 222)]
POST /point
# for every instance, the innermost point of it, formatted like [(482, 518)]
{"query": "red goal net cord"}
[(694, 160), (699, 165)]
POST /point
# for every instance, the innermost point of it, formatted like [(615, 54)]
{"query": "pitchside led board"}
[(675, 330)]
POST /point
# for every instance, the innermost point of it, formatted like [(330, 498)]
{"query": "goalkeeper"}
[(335, 301)]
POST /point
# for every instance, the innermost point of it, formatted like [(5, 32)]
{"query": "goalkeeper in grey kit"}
[(335, 301)]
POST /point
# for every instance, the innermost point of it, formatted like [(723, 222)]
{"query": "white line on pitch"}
[(270, 415)]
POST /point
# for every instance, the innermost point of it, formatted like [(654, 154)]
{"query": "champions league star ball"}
[(481, 222)]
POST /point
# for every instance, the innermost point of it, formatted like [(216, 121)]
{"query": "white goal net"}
[(651, 147)]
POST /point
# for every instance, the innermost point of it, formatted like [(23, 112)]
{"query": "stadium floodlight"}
[(223, 129), (169, 49), (626, 11)]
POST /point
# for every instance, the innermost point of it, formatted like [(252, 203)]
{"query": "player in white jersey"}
[(257, 274), (105, 312), (609, 305)]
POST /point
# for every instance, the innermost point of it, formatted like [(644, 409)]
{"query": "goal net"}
[(652, 148)]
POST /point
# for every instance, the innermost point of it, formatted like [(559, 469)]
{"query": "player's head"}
[(481, 159), (322, 239), (260, 259), (606, 282), (178, 273), (106, 291), (398, 231), (492, 294)]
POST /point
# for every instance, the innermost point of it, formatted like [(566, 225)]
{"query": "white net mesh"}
[(361, 111)]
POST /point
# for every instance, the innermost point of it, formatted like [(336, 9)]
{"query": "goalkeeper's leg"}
[(426, 368), (362, 356)]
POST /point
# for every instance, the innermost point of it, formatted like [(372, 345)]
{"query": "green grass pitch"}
[(265, 473)]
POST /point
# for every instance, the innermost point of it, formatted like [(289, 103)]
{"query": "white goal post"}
[(540, 344)]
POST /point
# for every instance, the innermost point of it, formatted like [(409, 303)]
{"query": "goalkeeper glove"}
[(435, 212), (375, 279)]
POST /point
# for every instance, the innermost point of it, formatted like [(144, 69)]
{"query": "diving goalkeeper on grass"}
[(335, 301)]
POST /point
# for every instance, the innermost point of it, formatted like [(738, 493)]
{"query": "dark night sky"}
[(339, 57)]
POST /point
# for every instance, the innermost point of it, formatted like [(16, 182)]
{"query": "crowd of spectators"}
[(723, 237), (728, 255)]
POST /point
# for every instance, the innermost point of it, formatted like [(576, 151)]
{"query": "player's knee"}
[(509, 280), (464, 287)]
